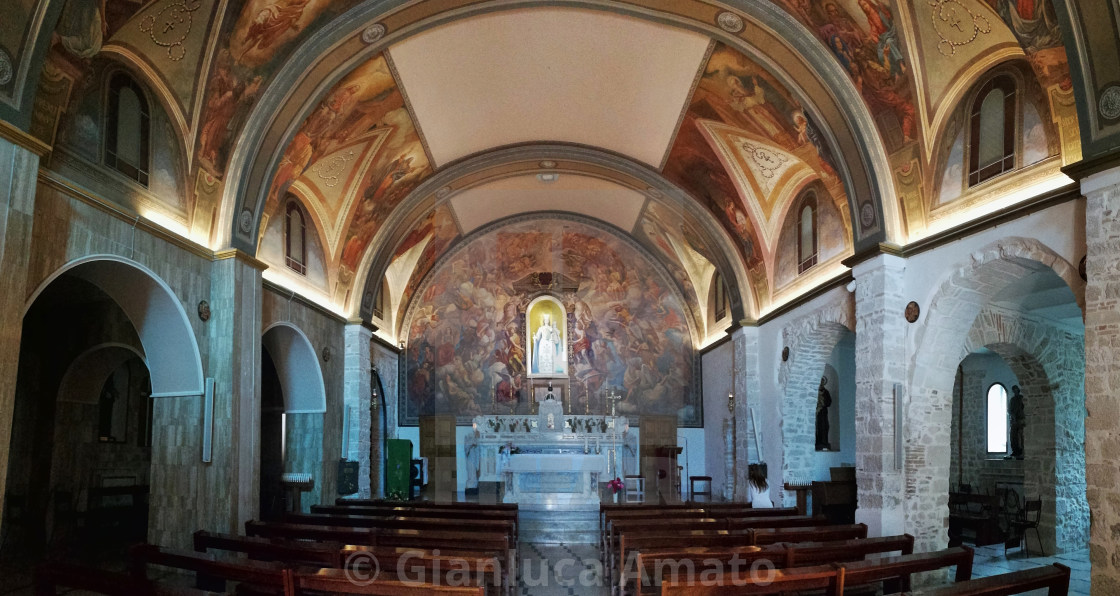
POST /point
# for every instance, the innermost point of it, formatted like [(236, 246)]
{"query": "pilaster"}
[(880, 365), (18, 170), (748, 389), (1102, 374), (357, 392)]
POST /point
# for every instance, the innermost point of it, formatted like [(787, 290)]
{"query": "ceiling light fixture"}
[(548, 177)]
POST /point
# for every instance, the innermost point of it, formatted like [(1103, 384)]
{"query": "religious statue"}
[(1016, 414), (547, 347), (824, 401), (470, 450)]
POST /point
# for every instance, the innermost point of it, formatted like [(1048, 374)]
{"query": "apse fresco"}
[(626, 328), (365, 103), (437, 232), (254, 44), (736, 92), (863, 36)]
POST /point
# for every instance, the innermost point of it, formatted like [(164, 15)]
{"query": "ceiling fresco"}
[(737, 109)]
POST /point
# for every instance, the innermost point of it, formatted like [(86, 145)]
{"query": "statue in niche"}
[(824, 401), (546, 338), (547, 352), (1017, 415)]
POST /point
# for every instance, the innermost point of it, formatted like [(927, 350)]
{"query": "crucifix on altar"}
[(614, 397)]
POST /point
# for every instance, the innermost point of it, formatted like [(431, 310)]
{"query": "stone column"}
[(880, 364), (356, 400), (748, 389), (1102, 374), (19, 167)]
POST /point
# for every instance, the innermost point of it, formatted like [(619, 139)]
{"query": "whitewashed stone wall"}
[(941, 343), (811, 340), (357, 402), (1102, 375), (748, 394), (970, 463)]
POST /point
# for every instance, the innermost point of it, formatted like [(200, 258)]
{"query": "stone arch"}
[(169, 344), (940, 343), (301, 377), (811, 340), (1049, 364), (91, 368)]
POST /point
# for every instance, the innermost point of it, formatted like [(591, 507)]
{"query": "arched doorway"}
[(1017, 300), (100, 337), (293, 406)]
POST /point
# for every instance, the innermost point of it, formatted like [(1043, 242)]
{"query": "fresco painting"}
[(1036, 27), (259, 40), (864, 38), (664, 232), (625, 328), (442, 230), (365, 100), (737, 92)]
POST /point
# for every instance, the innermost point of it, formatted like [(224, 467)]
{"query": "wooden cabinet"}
[(437, 444)]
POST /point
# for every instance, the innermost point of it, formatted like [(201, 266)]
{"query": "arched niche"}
[(170, 347), (301, 378)]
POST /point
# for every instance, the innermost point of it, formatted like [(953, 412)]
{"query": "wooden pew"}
[(50, 577), (768, 581), (434, 512), (1052, 578), (895, 572), (466, 505), (653, 563), (294, 553), (211, 572), (416, 522), (802, 554), (608, 512), (338, 581), (764, 536), (291, 531), (439, 566)]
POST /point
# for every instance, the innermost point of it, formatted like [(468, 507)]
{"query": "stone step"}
[(558, 526)]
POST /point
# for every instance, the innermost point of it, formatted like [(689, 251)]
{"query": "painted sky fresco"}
[(466, 347), (255, 42), (737, 92), (365, 101), (863, 36)]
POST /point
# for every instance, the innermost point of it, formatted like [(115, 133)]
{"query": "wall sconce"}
[(731, 403)]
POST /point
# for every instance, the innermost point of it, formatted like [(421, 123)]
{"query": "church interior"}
[(298, 291)]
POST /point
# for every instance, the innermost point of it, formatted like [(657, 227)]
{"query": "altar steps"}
[(558, 526)]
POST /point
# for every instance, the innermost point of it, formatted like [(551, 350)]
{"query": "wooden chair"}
[(705, 487), (1028, 519)]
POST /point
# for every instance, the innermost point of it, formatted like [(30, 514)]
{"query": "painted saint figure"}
[(546, 355)]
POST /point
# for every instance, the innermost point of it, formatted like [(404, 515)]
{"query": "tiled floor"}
[(990, 560)]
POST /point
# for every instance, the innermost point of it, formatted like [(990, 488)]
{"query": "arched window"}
[(719, 298), (807, 234), (997, 419), (127, 128), (992, 130), (295, 239)]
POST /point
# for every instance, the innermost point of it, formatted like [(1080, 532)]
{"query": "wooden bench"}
[(1052, 578), (433, 512), (608, 513), (801, 554), (443, 567), (346, 535), (766, 581), (425, 504), (415, 522), (52, 576), (764, 536), (895, 572), (294, 553), (654, 564), (339, 581), (212, 573)]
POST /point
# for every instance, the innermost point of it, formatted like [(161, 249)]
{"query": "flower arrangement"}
[(616, 485)]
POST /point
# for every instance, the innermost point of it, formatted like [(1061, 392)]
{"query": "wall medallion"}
[(1109, 103), (1081, 270), (785, 354), (204, 311), (326, 353), (245, 222), (729, 22), (867, 214), (373, 33), (912, 311), (5, 67)]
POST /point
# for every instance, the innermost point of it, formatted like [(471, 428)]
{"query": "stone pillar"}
[(356, 400), (19, 167), (880, 364), (1102, 374), (748, 389)]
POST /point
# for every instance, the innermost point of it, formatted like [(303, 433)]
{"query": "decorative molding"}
[(10, 133), (373, 33), (6, 69), (244, 257), (730, 22)]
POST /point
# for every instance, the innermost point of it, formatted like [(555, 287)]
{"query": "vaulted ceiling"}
[(402, 128)]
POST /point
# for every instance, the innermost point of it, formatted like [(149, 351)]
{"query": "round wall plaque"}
[(785, 354), (204, 311), (912, 311)]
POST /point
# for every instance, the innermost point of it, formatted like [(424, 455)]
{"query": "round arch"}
[(958, 306), (91, 368), (170, 348), (301, 377), (275, 118)]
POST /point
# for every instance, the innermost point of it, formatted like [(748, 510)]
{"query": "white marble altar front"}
[(554, 480)]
